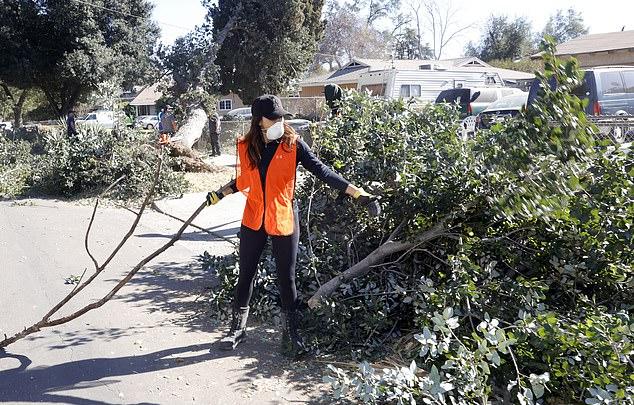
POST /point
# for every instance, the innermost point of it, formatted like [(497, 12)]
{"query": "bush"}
[(526, 296), (15, 167), (86, 165)]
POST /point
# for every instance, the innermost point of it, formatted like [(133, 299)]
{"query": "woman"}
[(268, 156)]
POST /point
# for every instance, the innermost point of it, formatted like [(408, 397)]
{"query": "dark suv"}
[(610, 90)]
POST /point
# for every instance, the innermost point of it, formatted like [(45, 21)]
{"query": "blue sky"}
[(599, 15)]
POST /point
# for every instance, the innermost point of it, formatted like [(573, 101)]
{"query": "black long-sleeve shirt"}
[(309, 161)]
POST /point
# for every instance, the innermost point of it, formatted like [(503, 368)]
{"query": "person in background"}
[(333, 94), (168, 125), (214, 133), (268, 156), (71, 128), (160, 117)]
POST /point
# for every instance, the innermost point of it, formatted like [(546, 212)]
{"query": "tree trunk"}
[(192, 129), (188, 159), (17, 109)]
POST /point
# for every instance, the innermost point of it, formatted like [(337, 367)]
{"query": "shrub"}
[(90, 162), (15, 167), (526, 297)]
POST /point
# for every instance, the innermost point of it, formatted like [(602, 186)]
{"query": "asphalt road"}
[(152, 343)]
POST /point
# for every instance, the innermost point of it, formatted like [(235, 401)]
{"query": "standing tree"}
[(268, 43), (376, 9), (407, 45), (67, 48), (440, 22), (564, 26), (14, 99), (189, 63), (502, 39), (347, 35)]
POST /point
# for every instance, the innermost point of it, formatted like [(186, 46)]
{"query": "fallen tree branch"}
[(364, 266), (45, 322), (92, 219), (127, 236)]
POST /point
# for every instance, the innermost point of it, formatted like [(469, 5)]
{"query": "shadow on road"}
[(179, 289), (41, 384), (53, 383), (196, 236)]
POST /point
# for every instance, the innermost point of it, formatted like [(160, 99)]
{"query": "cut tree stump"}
[(188, 160)]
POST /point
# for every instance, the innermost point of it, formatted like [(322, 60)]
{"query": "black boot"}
[(293, 345), (238, 331)]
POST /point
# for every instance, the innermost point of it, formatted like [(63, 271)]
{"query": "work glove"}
[(213, 197), (368, 201)]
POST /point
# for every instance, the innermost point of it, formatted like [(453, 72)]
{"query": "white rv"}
[(422, 79)]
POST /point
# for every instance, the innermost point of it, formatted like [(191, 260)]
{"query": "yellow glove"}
[(213, 197)]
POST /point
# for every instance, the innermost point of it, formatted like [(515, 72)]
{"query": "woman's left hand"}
[(367, 200)]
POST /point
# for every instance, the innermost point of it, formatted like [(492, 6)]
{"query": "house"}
[(145, 101), (609, 49), (423, 79), (229, 102)]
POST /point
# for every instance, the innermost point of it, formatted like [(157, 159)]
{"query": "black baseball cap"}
[(268, 106)]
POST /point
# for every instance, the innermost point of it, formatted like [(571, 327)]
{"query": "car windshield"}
[(515, 102)]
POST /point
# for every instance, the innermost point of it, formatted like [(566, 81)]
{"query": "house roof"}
[(610, 41), (351, 72), (147, 96)]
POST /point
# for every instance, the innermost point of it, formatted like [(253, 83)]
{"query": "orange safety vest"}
[(277, 197)]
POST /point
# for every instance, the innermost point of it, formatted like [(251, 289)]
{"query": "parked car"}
[(299, 125), (238, 114), (146, 121), (608, 89), (503, 109), (473, 101), (6, 125), (102, 118)]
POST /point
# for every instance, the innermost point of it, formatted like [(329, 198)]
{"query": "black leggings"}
[(285, 253)]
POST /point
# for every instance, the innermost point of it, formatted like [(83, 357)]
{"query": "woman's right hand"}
[(214, 197)]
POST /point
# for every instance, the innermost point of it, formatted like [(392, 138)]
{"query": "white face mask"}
[(275, 131)]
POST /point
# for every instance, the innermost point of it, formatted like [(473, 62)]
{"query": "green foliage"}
[(527, 295), (73, 46), (15, 167), (502, 38), (55, 165), (269, 43), (190, 62), (564, 26), (407, 46)]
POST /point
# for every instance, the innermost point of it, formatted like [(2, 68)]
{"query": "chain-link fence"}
[(618, 129), (231, 130)]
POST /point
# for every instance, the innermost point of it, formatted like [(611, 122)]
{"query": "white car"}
[(101, 118), (238, 114), (6, 125), (146, 121)]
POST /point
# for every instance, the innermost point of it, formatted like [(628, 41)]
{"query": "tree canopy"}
[(502, 38), (565, 25), (68, 48), (268, 43)]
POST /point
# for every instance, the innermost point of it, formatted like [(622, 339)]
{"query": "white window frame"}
[(409, 90), (224, 101)]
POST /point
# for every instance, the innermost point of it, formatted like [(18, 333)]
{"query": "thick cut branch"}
[(363, 267)]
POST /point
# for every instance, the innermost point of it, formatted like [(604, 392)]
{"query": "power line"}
[(87, 3)]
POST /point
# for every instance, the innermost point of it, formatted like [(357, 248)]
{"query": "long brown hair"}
[(255, 140)]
